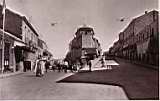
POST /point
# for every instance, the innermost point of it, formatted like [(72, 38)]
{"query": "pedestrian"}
[(53, 66), (74, 67), (90, 65), (65, 66), (70, 67), (58, 66), (42, 62), (78, 66), (47, 64), (37, 69), (103, 61)]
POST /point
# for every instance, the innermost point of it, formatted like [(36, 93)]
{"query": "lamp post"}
[(3, 43)]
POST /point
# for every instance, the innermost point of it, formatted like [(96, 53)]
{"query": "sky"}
[(102, 15)]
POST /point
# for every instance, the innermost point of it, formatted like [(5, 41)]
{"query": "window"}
[(140, 37), (81, 32), (86, 33), (154, 16), (152, 32), (92, 32), (147, 32)]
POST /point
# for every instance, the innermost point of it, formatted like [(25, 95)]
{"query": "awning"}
[(25, 48), (83, 57), (18, 43)]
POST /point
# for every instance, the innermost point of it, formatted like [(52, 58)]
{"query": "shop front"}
[(9, 65), (19, 57)]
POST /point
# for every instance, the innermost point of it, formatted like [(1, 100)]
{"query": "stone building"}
[(30, 38), (140, 39), (128, 41), (9, 52), (84, 46), (147, 37), (22, 41), (43, 49), (121, 40), (13, 38)]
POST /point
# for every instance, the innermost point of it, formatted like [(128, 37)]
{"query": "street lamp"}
[(3, 43)]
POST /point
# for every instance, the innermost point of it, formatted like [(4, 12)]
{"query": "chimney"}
[(146, 12)]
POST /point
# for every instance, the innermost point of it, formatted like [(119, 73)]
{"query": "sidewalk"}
[(98, 66), (93, 62), (138, 63), (10, 74)]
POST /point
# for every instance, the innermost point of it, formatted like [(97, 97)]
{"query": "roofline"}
[(81, 28), (7, 9), (145, 14), (42, 41), (29, 24), (24, 18), (134, 19)]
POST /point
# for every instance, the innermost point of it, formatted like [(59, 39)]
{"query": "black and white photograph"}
[(79, 49)]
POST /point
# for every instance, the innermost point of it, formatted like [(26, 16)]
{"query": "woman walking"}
[(90, 65), (43, 69), (40, 66), (37, 68)]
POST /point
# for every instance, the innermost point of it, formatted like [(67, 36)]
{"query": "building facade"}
[(84, 46), (147, 37), (121, 42), (43, 49), (9, 63), (22, 45), (13, 38), (30, 38), (140, 40)]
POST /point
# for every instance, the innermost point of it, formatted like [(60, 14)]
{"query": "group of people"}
[(41, 66), (62, 66), (65, 66)]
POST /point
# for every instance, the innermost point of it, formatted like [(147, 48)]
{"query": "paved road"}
[(138, 82), (28, 87)]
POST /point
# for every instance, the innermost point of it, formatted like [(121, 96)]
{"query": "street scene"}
[(79, 50)]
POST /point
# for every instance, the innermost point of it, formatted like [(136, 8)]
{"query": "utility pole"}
[(3, 43)]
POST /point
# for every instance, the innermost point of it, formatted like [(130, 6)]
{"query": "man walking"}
[(90, 65), (47, 64), (103, 61), (65, 66)]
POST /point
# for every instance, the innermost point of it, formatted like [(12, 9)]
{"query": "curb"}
[(149, 66), (9, 74)]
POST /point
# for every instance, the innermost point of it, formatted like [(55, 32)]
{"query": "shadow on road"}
[(135, 84)]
